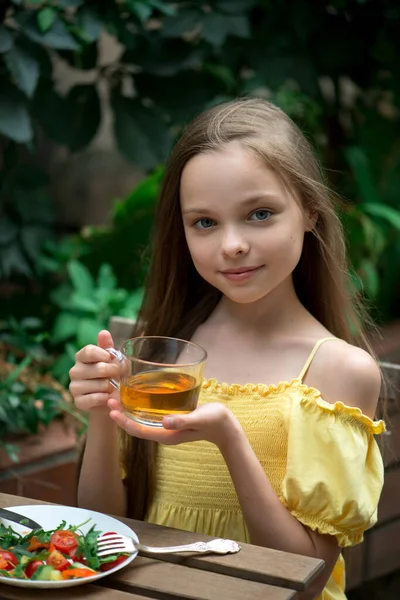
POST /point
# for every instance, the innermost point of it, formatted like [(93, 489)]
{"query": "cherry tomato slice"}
[(110, 565), (58, 561), (77, 556), (64, 541), (32, 566), (8, 560)]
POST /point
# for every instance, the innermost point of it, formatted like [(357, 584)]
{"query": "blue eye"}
[(204, 223), (260, 215)]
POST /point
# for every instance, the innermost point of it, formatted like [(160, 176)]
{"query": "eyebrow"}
[(247, 202)]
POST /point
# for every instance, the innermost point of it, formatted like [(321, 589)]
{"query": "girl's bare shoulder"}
[(346, 373)]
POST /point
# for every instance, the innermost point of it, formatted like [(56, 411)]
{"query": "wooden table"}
[(254, 573)]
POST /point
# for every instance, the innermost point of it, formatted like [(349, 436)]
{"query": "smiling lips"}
[(240, 274)]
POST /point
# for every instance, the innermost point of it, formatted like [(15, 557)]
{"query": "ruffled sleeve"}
[(334, 474)]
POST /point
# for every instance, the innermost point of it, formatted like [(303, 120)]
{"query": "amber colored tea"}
[(149, 396)]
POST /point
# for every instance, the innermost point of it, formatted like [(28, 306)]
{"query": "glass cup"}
[(159, 376)]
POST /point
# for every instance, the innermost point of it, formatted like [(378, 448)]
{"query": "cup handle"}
[(120, 356)]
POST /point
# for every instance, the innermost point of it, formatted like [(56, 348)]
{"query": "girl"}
[(249, 262)]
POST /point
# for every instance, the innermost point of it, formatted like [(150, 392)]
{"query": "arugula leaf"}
[(87, 545), (42, 555), (19, 571), (8, 537), (21, 550), (42, 535), (75, 528), (4, 573)]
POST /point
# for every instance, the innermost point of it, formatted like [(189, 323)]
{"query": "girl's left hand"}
[(212, 422)]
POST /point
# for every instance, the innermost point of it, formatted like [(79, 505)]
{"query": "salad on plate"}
[(61, 554)]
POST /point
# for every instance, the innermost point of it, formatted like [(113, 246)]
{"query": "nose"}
[(234, 243)]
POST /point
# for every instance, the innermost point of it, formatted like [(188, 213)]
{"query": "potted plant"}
[(39, 426)]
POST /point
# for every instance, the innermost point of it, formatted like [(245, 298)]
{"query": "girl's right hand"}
[(90, 376)]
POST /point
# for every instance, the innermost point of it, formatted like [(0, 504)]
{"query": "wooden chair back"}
[(121, 329)]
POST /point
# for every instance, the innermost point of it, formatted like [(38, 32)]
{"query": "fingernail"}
[(169, 422)]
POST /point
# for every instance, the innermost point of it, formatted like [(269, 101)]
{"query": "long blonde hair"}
[(177, 300)]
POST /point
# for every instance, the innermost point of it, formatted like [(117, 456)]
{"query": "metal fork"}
[(113, 543)]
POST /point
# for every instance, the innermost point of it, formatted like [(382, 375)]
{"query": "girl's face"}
[(244, 230)]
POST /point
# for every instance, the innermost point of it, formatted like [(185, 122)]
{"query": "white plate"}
[(50, 517)]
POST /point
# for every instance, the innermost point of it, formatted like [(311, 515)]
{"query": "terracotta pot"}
[(47, 467)]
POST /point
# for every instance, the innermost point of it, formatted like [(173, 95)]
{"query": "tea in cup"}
[(159, 376)]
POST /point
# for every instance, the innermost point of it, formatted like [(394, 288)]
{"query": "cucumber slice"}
[(55, 575), (43, 573), (24, 560), (78, 565)]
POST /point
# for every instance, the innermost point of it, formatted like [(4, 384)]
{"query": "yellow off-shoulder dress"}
[(321, 458)]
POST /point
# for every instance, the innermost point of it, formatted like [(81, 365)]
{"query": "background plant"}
[(85, 306), (30, 398), (331, 65)]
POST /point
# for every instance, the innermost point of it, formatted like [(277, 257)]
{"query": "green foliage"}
[(26, 337), (368, 239), (29, 398), (124, 243), (333, 66), (85, 306), (27, 217)]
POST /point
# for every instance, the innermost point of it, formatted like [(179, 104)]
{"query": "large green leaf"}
[(73, 120), (165, 8), (217, 27), (142, 136), (359, 164), (145, 194), (13, 376), (90, 24), (88, 330), (15, 122), (13, 261), (369, 274), (24, 69), (163, 57), (234, 6), (181, 96), (61, 296), (82, 303), (387, 213), (81, 278), (106, 278), (45, 18), (141, 9), (50, 110), (184, 21), (57, 37), (70, 3), (8, 232), (84, 115), (32, 239), (65, 327), (6, 39)]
